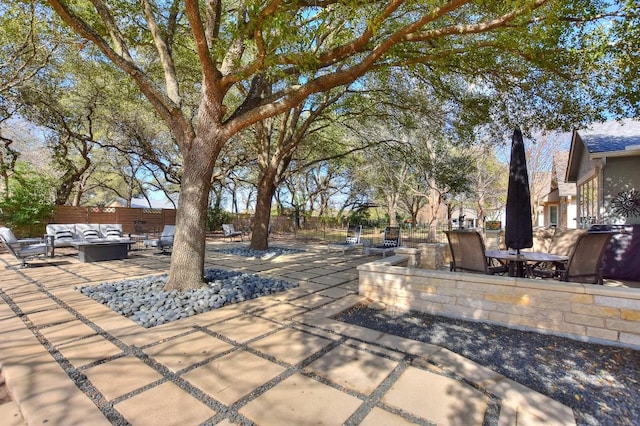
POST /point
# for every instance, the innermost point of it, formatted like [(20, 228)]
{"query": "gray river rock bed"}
[(146, 302), (259, 254)]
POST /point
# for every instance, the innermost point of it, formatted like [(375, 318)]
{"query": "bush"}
[(216, 217), (27, 205)]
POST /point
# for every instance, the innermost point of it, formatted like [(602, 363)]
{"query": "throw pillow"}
[(64, 235), (113, 233), (90, 234)]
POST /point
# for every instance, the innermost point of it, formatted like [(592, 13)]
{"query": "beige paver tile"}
[(280, 312), (335, 279), (31, 296), (244, 328), (439, 399), (10, 414), (290, 346), (353, 368), (123, 375), (379, 417), (299, 400), (534, 403), (48, 396), (165, 404), (52, 316), (466, 368), (91, 349), (301, 275), (336, 292), (182, 352), (311, 301), (233, 376), (66, 332)]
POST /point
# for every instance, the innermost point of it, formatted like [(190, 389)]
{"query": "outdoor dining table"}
[(520, 263)]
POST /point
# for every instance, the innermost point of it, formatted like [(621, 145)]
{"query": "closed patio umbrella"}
[(518, 227)]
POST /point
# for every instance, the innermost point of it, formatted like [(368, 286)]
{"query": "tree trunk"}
[(260, 231), (187, 258)]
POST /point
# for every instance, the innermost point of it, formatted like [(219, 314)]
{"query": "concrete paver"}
[(89, 350), (353, 368), (233, 376), (185, 351), (290, 346), (165, 404), (121, 376), (439, 399), (280, 359), (300, 400)]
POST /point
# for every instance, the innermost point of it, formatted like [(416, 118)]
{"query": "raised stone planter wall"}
[(584, 312)]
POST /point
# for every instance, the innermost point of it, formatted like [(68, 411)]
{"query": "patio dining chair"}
[(229, 231), (23, 249), (352, 239), (165, 241), (468, 253), (585, 261), (390, 241)]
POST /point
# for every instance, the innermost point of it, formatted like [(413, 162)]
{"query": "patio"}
[(281, 358)]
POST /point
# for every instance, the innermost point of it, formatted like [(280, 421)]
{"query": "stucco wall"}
[(580, 311), (620, 175)]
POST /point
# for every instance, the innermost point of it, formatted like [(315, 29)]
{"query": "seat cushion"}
[(33, 250)]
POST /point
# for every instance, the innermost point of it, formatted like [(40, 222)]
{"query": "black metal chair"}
[(352, 239)]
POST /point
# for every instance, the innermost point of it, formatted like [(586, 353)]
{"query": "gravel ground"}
[(600, 383)]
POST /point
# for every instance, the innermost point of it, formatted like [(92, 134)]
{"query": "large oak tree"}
[(239, 48)]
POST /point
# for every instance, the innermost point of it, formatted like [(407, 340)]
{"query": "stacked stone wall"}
[(584, 312)]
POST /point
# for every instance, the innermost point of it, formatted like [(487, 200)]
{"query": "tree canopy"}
[(211, 69)]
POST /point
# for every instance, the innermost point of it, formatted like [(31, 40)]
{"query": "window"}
[(588, 202), (553, 216)]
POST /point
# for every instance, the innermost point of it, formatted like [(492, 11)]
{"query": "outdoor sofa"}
[(64, 235)]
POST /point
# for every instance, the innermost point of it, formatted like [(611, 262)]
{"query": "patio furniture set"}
[(390, 241), (581, 264), (94, 242)]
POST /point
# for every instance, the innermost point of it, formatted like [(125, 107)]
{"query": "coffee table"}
[(102, 249)]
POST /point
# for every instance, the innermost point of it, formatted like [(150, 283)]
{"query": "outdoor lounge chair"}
[(390, 242), (165, 241), (351, 241), (585, 261), (230, 232), (24, 249), (468, 253)]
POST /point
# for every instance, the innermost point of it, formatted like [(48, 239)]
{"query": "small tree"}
[(27, 202)]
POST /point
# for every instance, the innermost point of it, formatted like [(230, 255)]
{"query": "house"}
[(559, 203), (604, 163), (142, 203)]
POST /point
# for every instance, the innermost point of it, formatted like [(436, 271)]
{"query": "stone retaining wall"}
[(584, 312)]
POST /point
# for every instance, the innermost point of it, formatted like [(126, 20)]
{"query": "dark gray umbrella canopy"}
[(518, 227)]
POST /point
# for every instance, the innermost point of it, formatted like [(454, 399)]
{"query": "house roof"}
[(560, 163), (611, 136), (608, 139), (141, 203)]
